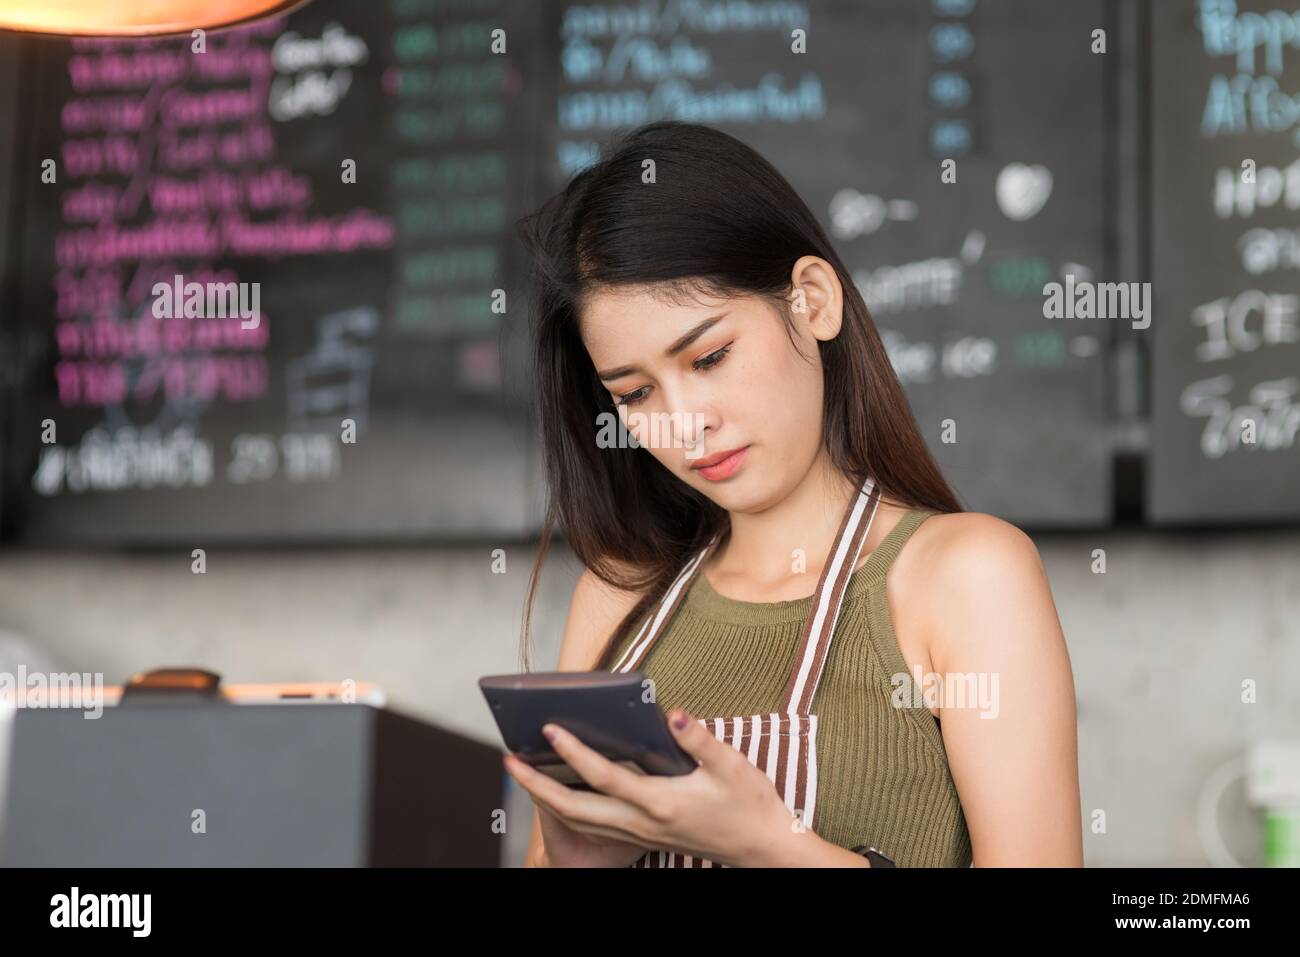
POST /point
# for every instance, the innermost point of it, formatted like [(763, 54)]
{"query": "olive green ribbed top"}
[(882, 772)]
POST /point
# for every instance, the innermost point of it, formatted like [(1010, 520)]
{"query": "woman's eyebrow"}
[(671, 351)]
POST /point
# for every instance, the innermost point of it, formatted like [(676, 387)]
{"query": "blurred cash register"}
[(174, 769)]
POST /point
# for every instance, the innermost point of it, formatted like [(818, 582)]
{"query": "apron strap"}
[(818, 630), (640, 647)]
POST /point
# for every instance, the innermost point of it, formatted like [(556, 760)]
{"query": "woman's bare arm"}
[(594, 612), (1013, 750)]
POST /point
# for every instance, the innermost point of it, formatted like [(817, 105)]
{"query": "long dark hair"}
[(719, 219)]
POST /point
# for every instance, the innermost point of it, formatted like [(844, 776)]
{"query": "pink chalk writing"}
[(110, 243), (90, 202), (215, 189), (169, 167), (94, 292), (109, 114), (222, 65), (181, 107), (233, 378), (178, 152), (277, 188), (99, 157), (105, 337), (174, 64), (358, 229), (211, 188), (128, 69)]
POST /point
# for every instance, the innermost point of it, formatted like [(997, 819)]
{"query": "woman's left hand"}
[(726, 810)]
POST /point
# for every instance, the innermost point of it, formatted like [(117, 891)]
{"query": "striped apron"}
[(783, 744)]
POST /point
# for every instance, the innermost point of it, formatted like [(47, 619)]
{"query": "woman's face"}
[(720, 374)]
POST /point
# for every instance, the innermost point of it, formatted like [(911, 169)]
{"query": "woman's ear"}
[(816, 298)]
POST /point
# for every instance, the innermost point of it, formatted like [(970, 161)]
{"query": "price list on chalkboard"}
[(957, 153), (265, 274), (1225, 180), (343, 183)]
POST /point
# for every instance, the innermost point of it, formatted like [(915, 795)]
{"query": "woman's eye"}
[(704, 362), (631, 398), (712, 359)]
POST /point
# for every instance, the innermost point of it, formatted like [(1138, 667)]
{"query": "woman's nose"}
[(690, 425), (689, 418)]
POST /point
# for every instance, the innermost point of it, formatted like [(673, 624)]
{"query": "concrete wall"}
[(1160, 645)]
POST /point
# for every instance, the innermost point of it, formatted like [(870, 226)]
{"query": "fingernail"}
[(680, 721), (549, 733)]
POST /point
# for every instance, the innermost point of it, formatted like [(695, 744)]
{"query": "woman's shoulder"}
[(961, 552), (959, 567), (925, 537), (596, 609), (960, 539)]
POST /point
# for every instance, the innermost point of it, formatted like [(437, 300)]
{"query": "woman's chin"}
[(738, 494)]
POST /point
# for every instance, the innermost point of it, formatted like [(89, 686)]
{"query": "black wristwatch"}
[(874, 856)]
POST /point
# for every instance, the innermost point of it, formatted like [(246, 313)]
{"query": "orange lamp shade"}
[(133, 18)]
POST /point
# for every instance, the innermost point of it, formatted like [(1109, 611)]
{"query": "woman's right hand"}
[(565, 847)]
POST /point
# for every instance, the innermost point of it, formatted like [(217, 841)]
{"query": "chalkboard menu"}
[(1225, 181), (268, 273), (351, 174), (861, 119)]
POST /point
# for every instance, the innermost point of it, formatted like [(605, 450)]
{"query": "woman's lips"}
[(725, 468)]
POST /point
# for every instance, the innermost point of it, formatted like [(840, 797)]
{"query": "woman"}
[(747, 551)]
